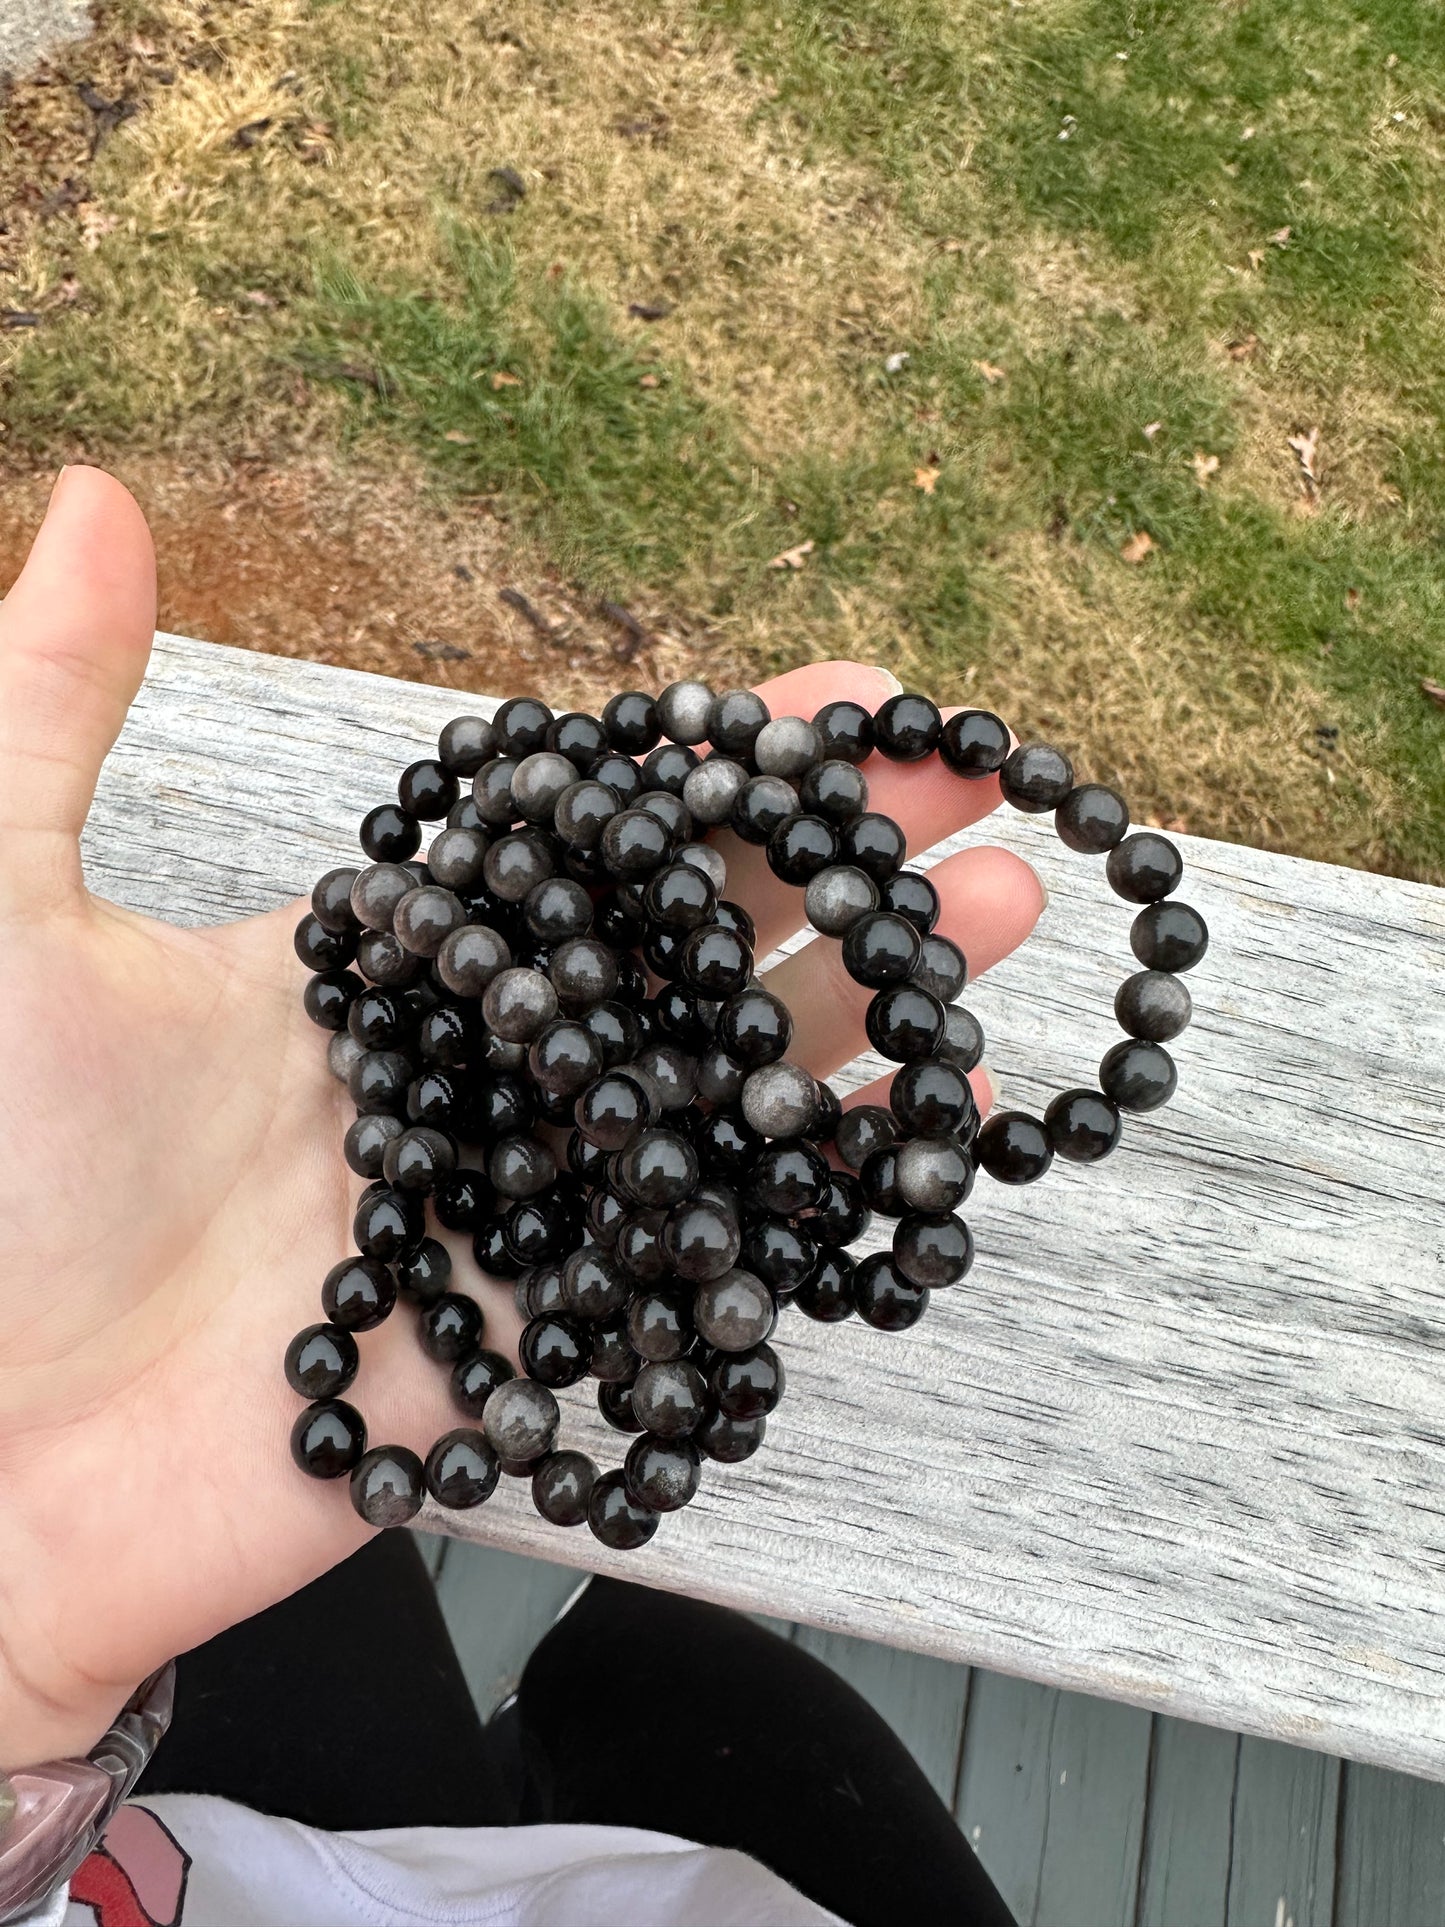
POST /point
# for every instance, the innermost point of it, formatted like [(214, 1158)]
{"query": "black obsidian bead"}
[(661, 1168), (863, 1130), (427, 789), (462, 1200), (534, 1230), (1144, 868), (730, 1440), (419, 1159), (614, 1402), (390, 834), (376, 1018), (754, 1028), (634, 844), (662, 1474), (974, 743), (631, 722), (466, 742), (747, 1385), (328, 1439), (910, 896), (845, 730), (1153, 1005), (1091, 819), (387, 1486), (386, 1222), (1168, 936), (554, 1351), (330, 998), (835, 790), (941, 967), (384, 959), (475, 1378), (788, 1177), (905, 1023), (451, 1328), (827, 1295), (933, 1098), (680, 898), (700, 1239), (667, 770), (800, 847), (615, 1517), (613, 1111), (540, 1292), (963, 1038), (322, 1361), (562, 1486), (594, 1284), (1036, 778), (933, 1173), (1138, 1076), (358, 1294), (322, 949), (884, 1298), (612, 1358), (714, 963), (461, 1469), (423, 1273), (434, 1098), (331, 900), (735, 721), (841, 1215), (763, 805), (1014, 1148), (502, 1107), (907, 728), (669, 1397), (932, 1248), (364, 1145), (521, 726), (1083, 1125), (873, 844), (443, 1038), (659, 1324), (881, 948)]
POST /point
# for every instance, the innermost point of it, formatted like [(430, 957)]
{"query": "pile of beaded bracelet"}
[(556, 1041)]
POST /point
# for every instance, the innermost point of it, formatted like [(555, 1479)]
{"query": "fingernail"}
[(895, 688), (1044, 893)]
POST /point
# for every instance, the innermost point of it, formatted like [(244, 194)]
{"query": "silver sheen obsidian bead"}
[(787, 746), (518, 1003), (520, 1420), (780, 1100), (711, 790), (837, 897), (734, 1312), (683, 709)]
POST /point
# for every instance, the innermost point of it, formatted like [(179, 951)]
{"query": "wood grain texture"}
[(1188, 1827), (1181, 1439), (1390, 1856), (1282, 1864)]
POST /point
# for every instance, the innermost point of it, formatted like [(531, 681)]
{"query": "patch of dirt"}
[(364, 569)]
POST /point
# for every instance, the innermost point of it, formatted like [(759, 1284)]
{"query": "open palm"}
[(173, 1187)]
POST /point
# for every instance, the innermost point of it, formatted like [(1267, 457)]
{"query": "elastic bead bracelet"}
[(562, 995)]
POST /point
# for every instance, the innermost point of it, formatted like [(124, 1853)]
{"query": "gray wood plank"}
[(497, 1606), (1052, 1798), (1391, 1851), (1184, 1875), (1283, 1868), (1181, 1440), (923, 1700), (433, 1548)]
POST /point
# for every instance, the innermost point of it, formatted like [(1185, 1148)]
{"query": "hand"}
[(174, 1190)]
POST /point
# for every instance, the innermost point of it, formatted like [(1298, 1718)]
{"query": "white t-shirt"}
[(187, 1860)]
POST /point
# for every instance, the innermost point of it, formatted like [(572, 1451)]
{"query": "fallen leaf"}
[(1433, 692), (1280, 238), (1352, 599), (1256, 256), (647, 381), (1137, 547), (990, 371), (501, 379), (456, 435), (1151, 429), (1203, 465), (926, 479), (793, 558), (1243, 349), (1305, 443)]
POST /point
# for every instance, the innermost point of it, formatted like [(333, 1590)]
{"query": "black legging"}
[(344, 1707)]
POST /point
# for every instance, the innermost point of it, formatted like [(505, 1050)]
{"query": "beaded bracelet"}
[(502, 999)]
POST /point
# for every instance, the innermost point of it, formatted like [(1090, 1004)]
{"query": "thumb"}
[(75, 635)]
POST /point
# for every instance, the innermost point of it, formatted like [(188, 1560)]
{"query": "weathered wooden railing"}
[(1180, 1440)]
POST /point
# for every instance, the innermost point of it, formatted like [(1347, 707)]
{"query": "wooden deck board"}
[(1181, 1442), (1282, 1870), (1188, 1828), (1391, 1851)]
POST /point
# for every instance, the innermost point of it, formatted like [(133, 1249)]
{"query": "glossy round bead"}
[(933, 1174), (714, 963), (1014, 1148), (377, 891), (554, 1351), (787, 746), (470, 958), (521, 1166), (1036, 778), (328, 1439), (933, 1249), (462, 1200), (763, 805), (516, 863), (754, 1027), (963, 1038), (669, 1397), (521, 726), (933, 1098), (562, 1486), (389, 834), (701, 1240), (941, 967), (521, 1420), (789, 1176), (665, 774), (884, 1298), (578, 737), (837, 898), (475, 1378), (659, 1324), (539, 1293), (835, 790), (450, 1328), (801, 847), (466, 742), (594, 1284), (1153, 1005), (419, 1159), (1168, 936), (730, 1440), (1138, 1076), (747, 1385), (427, 789), (1144, 868), (322, 1361), (735, 1312), (680, 898), (358, 1294), (582, 812), (614, 1402), (1091, 819), (910, 895), (873, 843), (322, 949), (342, 1052), (612, 1358), (827, 1294), (443, 1037), (712, 790), (502, 1107), (631, 722), (1083, 1125), (863, 1130), (364, 1146), (557, 911), (386, 1222), (613, 1111), (881, 949), (660, 1169), (635, 844), (423, 1273), (387, 1486), (667, 1074), (517, 1003), (878, 1181), (538, 783), (974, 743), (385, 959), (376, 1018), (615, 1517), (905, 1023), (907, 728), (662, 1474), (684, 710), (735, 721), (492, 791), (845, 731), (780, 1100), (456, 859), (331, 900), (720, 1078), (841, 1215), (564, 1059), (461, 1469)]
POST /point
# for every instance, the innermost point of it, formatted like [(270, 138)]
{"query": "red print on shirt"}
[(137, 1875)]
